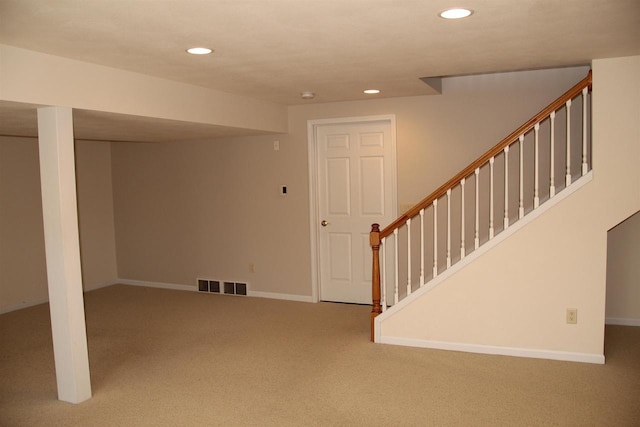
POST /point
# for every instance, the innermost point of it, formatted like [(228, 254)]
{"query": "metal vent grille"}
[(222, 287)]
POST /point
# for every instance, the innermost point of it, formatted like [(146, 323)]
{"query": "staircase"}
[(523, 176)]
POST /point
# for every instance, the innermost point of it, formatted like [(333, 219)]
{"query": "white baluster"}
[(408, 256), (536, 168), (435, 238), (567, 177), (491, 161), (585, 167), (521, 201), (448, 228), (462, 245), (476, 234), (552, 178), (421, 247), (506, 187), (395, 263), (383, 284)]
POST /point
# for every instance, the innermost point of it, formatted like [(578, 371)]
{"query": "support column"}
[(62, 247)]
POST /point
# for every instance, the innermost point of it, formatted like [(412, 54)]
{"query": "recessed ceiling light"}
[(371, 91), (456, 13), (307, 95), (199, 51)]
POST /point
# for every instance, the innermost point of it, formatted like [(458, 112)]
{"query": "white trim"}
[(194, 288), (23, 304), (313, 184), (287, 297), (496, 350), (499, 238), (94, 286), (313, 209), (621, 321), (161, 285)]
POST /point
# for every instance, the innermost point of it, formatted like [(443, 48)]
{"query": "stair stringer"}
[(484, 305)]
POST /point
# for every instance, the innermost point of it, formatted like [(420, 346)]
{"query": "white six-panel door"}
[(356, 187)]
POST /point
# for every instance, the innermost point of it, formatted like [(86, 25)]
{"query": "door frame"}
[(312, 149)]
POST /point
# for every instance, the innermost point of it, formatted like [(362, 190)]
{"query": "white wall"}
[(23, 276), (41, 79), (623, 273), (211, 208), (95, 213), (516, 296)]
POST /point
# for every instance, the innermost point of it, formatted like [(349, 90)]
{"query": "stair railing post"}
[(374, 240)]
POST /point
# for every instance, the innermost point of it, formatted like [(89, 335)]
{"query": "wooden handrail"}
[(376, 236), (493, 152)]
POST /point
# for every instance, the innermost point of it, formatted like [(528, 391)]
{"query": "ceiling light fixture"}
[(456, 13), (371, 91), (307, 95), (199, 51)]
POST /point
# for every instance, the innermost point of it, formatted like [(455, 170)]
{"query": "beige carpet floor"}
[(171, 358)]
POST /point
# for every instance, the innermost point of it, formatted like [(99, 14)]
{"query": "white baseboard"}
[(22, 305), (273, 295), (180, 287), (622, 321), (25, 304), (502, 351), (94, 286), (161, 285)]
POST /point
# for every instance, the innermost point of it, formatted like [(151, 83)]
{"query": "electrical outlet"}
[(572, 315), (252, 267)]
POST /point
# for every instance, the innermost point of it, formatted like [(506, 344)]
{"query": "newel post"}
[(374, 240)]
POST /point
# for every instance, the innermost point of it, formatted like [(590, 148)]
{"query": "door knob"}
[(324, 223)]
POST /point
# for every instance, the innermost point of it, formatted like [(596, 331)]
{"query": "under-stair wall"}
[(513, 299), (623, 273)]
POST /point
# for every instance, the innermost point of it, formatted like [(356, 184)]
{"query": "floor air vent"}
[(222, 287)]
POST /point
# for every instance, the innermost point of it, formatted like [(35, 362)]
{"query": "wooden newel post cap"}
[(374, 236)]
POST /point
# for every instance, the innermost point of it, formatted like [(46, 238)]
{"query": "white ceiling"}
[(275, 49)]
